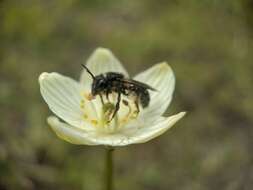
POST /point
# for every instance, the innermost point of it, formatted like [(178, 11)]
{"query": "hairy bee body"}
[(110, 82), (113, 82)]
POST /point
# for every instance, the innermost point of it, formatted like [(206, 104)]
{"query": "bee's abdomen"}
[(144, 98)]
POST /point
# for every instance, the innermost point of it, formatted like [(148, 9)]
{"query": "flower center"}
[(101, 115)]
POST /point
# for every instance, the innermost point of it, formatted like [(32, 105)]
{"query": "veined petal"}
[(63, 96), (149, 132), (134, 135), (69, 133), (161, 78), (102, 60), (78, 136)]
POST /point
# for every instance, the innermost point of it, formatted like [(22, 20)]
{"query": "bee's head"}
[(99, 84)]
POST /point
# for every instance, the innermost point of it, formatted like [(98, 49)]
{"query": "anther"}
[(94, 122), (85, 116), (89, 96)]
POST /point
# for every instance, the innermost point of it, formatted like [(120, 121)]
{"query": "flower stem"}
[(109, 169)]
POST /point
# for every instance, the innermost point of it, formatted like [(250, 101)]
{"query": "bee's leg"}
[(101, 98), (116, 106), (137, 106), (107, 96), (125, 102)]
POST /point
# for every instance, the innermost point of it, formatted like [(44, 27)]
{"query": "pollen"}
[(88, 96), (94, 122), (135, 114), (82, 104), (123, 121), (85, 116)]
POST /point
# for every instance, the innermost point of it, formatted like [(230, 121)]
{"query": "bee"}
[(114, 82)]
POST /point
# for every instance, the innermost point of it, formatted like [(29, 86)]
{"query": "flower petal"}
[(147, 133), (136, 135), (69, 133), (161, 78), (63, 96), (102, 60), (78, 136)]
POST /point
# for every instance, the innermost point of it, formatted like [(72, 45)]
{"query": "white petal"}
[(149, 132), (102, 60), (136, 135), (69, 133), (161, 78), (77, 136), (63, 96)]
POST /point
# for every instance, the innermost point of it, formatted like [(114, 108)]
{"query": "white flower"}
[(85, 120)]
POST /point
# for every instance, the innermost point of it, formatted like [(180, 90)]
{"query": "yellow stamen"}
[(134, 114), (94, 122), (88, 96), (123, 121)]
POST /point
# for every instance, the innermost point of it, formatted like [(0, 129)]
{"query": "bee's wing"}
[(139, 84)]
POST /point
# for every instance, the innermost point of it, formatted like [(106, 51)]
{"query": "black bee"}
[(109, 82)]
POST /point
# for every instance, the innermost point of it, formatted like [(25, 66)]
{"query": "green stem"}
[(109, 169)]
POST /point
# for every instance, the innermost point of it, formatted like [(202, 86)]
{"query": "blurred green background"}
[(208, 43)]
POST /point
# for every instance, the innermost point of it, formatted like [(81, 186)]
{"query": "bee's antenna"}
[(88, 71)]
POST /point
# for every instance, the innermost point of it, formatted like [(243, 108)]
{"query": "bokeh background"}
[(208, 43)]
